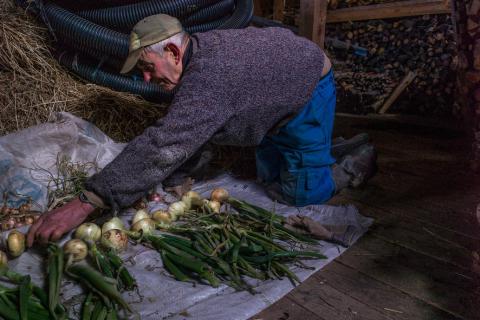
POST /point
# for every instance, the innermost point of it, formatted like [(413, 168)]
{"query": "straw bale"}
[(34, 86)]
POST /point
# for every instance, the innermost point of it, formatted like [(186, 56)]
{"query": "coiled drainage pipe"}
[(101, 41)]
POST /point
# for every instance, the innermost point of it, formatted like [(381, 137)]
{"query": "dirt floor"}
[(416, 261)]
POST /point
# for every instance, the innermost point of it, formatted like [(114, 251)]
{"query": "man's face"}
[(164, 70)]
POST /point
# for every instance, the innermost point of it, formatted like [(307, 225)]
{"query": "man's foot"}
[(361, 164), (341, 146)]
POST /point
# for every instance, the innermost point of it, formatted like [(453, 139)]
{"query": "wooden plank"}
[(313, 16), (423, 237), (278, 8), (446, 204), (412, 269), (386, 299), (286, 309), (398, 91), (389, 10), (325, 300), (437, 284)]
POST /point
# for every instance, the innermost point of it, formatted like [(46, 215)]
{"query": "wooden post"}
[(278, 7), (313, 16)]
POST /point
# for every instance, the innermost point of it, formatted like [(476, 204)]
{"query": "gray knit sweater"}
[(238, 85)]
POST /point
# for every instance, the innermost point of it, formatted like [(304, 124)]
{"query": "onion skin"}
[(114, 223), (147, 226), (192, 199), (88, 232), (177, 209), (76, 248), (15, 243), (219, 194), (3, 259), (115, 239), (162, 217), (214, 206), (140, 215), (29, 220)]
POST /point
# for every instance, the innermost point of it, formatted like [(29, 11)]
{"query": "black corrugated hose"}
[(89, 38)]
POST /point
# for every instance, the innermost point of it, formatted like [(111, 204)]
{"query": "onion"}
[(3, 259), (140, 215), (192, 199), (10, 224), (89, 232), (115, 239), (214, 205), (15, 243), (114, 223), (219, 194), (162, 217), (177, 209), (147, 226), (29, 220), (155, 197), (77, 249)]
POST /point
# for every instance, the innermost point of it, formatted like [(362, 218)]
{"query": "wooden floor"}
[(416, 261)]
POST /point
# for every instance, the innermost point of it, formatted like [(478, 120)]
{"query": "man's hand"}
[(52, 225)]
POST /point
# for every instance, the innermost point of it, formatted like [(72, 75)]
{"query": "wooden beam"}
[(390, 10), (278, 8), (398, 91), (313, 16)]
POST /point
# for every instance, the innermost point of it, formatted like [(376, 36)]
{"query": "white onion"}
[(219, 194), (177, 209), (214, 206), (115, 239), (114, 223), (147, 226), (140, 215), (88, 232), (76, 248), (162, 217), (192, 199), (15, 243)]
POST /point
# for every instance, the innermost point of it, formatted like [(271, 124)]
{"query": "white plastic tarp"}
[(159, 296)]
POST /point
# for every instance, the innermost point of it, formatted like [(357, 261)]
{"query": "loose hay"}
[(34, 86)]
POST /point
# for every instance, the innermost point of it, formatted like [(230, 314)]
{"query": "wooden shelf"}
[(389, 10)]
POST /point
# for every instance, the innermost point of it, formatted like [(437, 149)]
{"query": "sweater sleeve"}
[(193, 118)]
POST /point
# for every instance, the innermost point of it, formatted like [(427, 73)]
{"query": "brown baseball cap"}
[(148, 31)]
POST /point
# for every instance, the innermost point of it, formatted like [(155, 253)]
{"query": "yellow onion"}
[(219, 194), (114, 223), (76, 248), (115, 239), (140, 215), (162, 217), (177, 209), (214, 205), (15, 243), (89, 232), (3, 259), (147, 226), (192, 199), (29, 220)]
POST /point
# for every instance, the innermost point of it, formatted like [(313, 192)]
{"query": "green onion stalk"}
[(101, 288), (228, 246), (26, 301), (111, 265)]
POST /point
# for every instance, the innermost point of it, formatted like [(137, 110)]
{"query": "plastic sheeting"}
[(24, 154)]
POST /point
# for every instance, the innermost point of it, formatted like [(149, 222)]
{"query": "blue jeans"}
[(298, 157)]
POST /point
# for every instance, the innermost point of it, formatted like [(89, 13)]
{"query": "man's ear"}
[(175, 51)]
